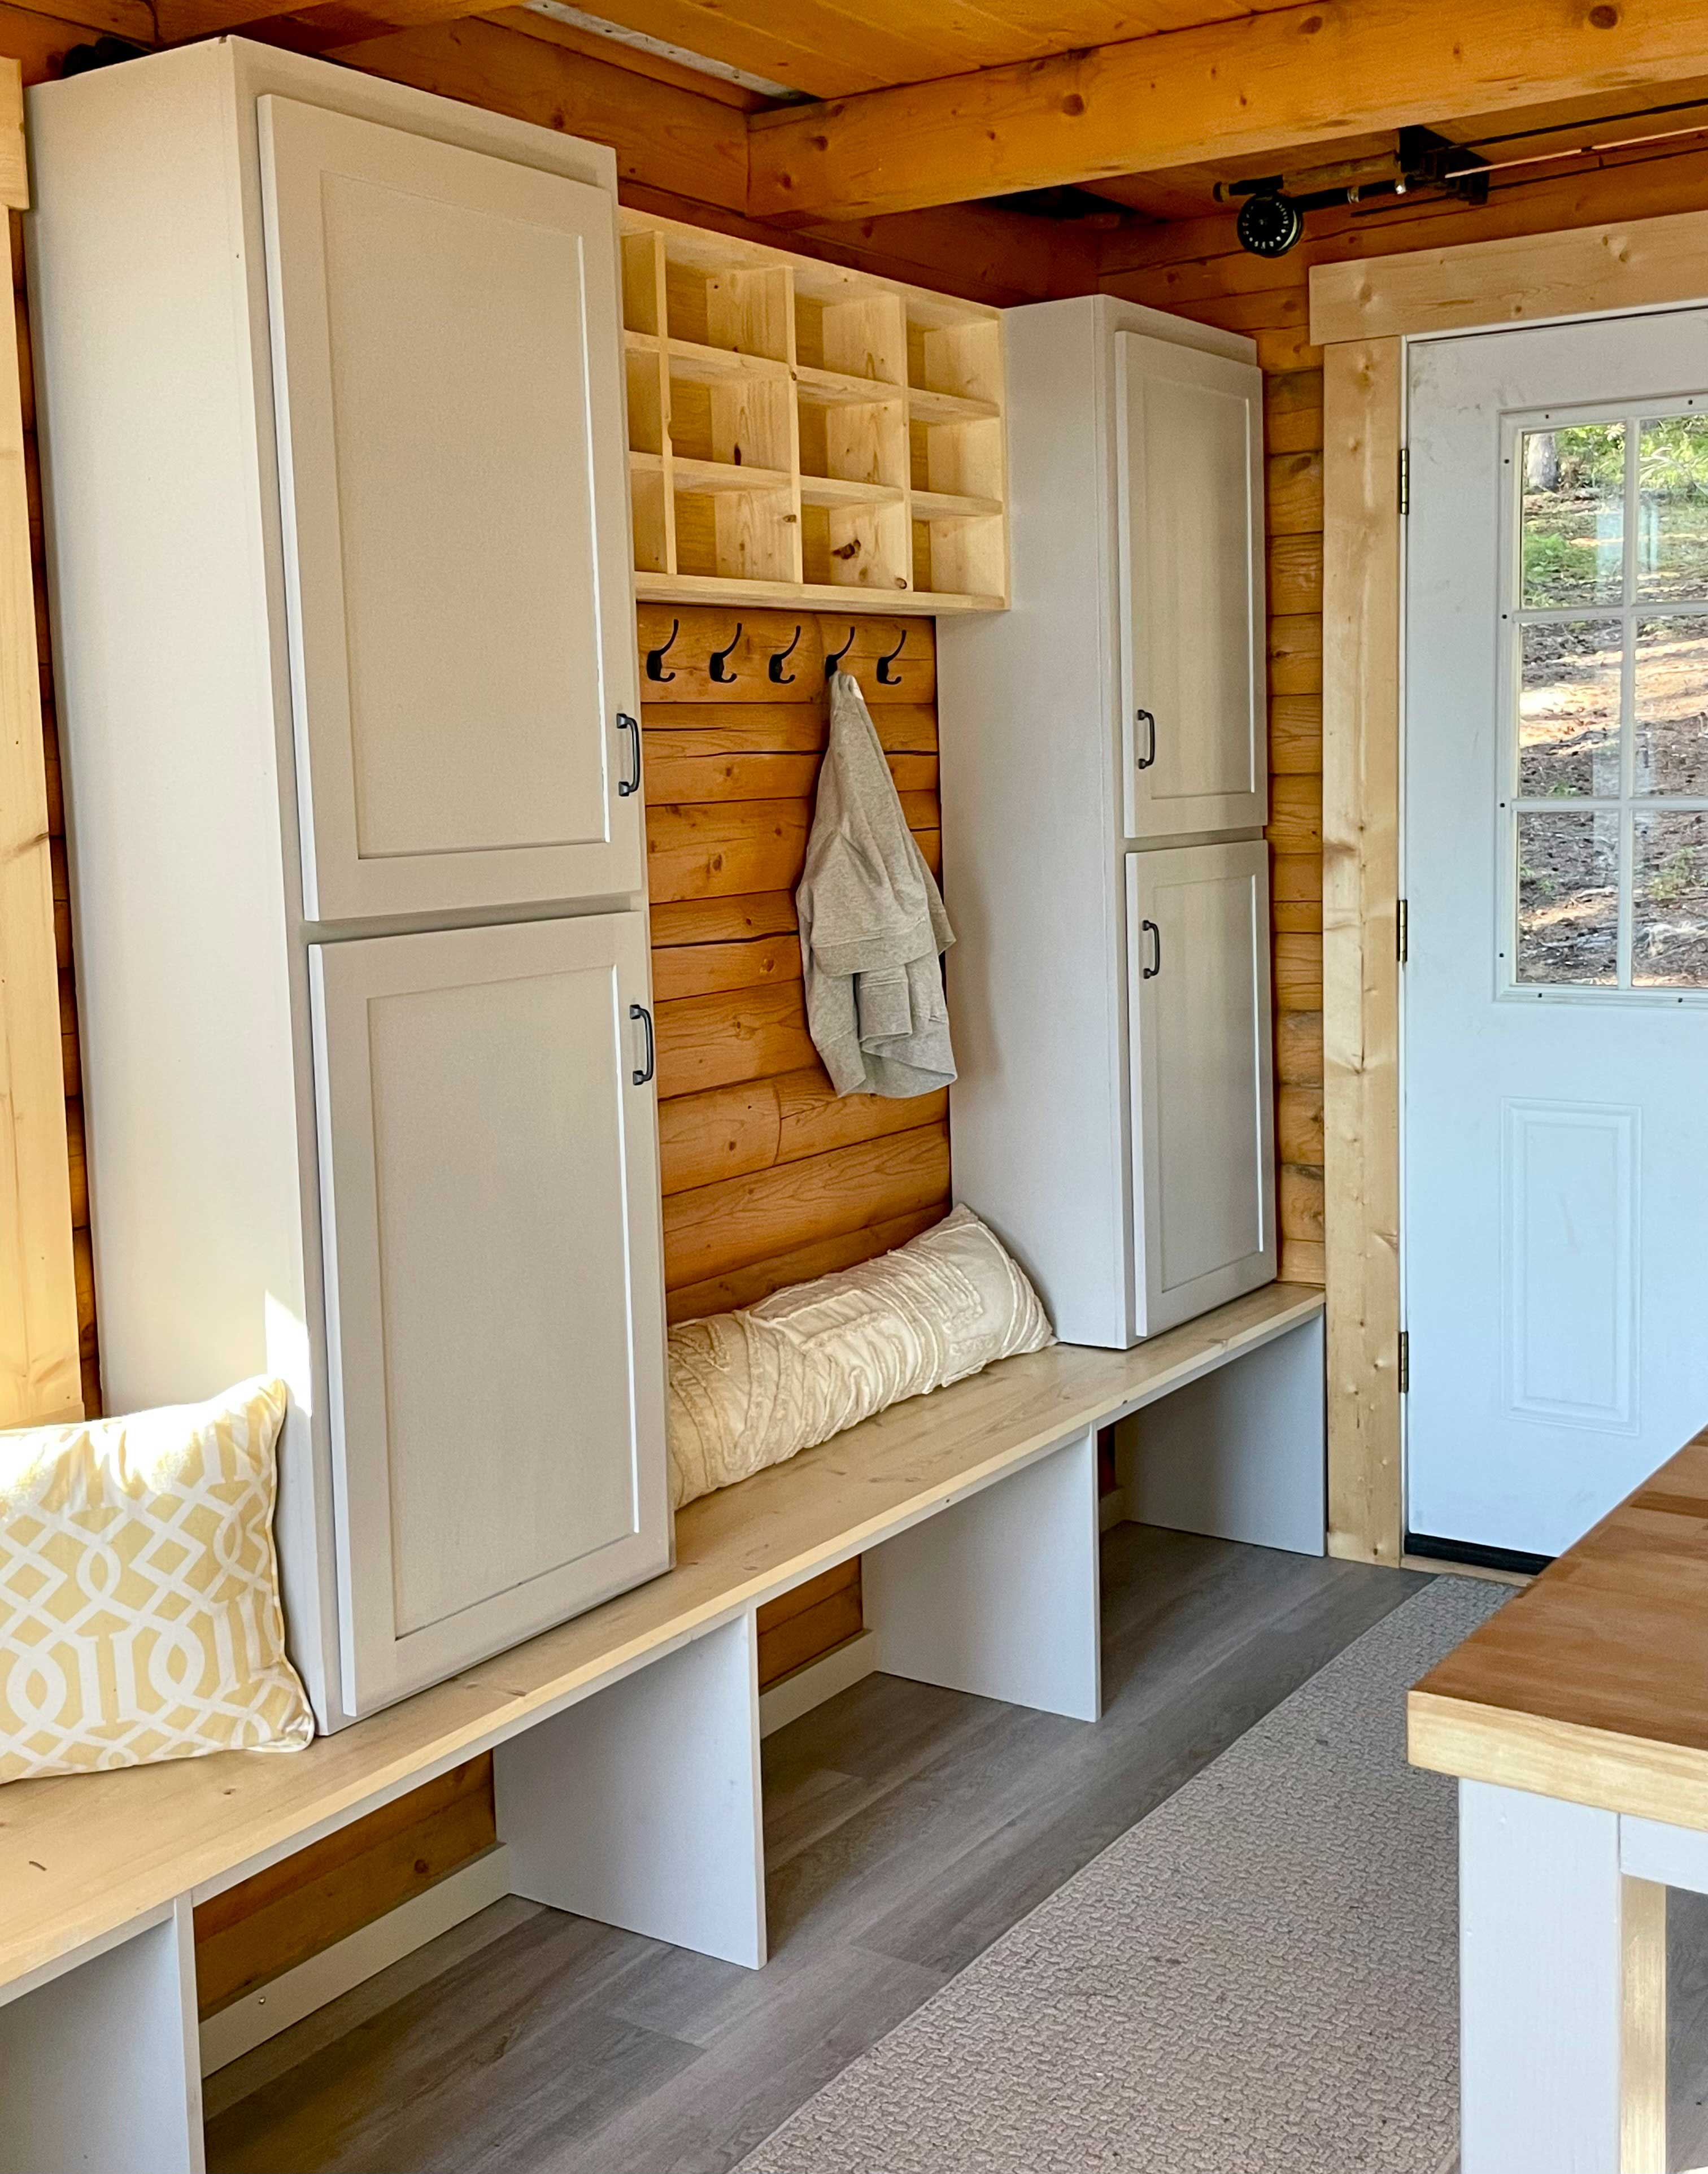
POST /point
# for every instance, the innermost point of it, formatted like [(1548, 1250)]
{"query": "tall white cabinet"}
[(1104, 789), (331, 399)]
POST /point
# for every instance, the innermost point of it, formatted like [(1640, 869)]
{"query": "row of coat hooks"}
[(718, 666)]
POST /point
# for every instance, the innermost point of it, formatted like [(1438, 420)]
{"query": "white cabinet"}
[(446, 352), (1110, 987), (1198, 932), (489, 1176), (331, 389), (1189, 487)]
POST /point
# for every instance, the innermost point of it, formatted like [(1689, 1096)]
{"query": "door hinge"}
[(1405, 1362), (1403, 933), (1405, 480)]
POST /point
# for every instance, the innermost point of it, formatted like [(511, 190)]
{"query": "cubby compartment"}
[(785, 415)]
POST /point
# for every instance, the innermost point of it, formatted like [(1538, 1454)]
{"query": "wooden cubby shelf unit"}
[(800, 433)]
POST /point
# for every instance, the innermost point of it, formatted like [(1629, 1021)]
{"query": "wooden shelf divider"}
[(804, 434)]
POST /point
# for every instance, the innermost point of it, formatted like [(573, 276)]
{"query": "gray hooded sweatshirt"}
[(871, 923)]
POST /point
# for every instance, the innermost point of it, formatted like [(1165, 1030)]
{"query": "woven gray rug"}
[(1259, 1978)]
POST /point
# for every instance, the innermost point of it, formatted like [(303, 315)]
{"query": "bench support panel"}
[(99, 2068), (998, 1595), (641, 1806), (1241, 1453), (1562, 1992)]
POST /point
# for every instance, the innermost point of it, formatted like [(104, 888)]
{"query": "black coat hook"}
[(886, 678), (832, 662), (655, 657), (718, 663), (779, 677)]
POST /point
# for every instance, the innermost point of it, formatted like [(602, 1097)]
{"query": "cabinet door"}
[(1190, 476), (1203, 1121), (454, 491), (495, 1291)]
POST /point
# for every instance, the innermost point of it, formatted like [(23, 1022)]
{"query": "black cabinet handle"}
[(1143, 718), (625, 786), (1150, 972), (640, 1012)]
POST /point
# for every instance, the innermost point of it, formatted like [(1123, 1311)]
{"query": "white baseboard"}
[(1111, 1509), (245, 2023), (815, 1681)]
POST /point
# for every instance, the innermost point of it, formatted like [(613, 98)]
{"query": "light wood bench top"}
[(84, 1858), (1592, 1684)]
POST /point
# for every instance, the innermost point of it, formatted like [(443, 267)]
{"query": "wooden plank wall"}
[(82, 1265), (1197, 268)]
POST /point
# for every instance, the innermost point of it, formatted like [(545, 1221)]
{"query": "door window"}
[(1605, 760)]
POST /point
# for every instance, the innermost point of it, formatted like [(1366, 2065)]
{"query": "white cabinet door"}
[(1202, 1119), (454, 489), (1190, 485), (494, 1293)]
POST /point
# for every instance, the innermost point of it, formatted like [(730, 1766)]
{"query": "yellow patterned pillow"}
[(139, 1611)]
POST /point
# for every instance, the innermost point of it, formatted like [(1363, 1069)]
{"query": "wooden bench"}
[(1576, 1722), (626, 1744)]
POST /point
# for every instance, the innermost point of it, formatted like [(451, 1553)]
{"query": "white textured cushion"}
[(750, 1389), (139, 1611)]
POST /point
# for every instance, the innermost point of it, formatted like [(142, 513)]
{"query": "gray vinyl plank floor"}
[(906, 1827)]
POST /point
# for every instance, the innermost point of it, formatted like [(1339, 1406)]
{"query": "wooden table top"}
[(1592, 1684)]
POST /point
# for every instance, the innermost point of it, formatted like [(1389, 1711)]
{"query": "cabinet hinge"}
[(1405, 480), (1403, 931), (1405, 1362)]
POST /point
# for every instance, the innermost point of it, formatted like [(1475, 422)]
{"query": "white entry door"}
[(1555, 1223), (495, 1291), (454, 486)]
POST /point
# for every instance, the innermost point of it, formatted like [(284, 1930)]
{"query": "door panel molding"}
[(1361, 314)]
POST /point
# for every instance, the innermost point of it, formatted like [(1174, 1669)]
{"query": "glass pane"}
[(1572, 529), (1569, 709), (1671, 706), (1673, 510), (1669, 947), (1568, 898)]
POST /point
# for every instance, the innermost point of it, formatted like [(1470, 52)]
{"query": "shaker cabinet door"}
[(494, 1293), (1203, 1121), (454, 497), (1189, 484)]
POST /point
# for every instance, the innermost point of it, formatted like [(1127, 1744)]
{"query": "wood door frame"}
[(1361, 314)]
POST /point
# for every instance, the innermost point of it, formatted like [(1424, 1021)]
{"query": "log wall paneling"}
[(769, 1176), (48, 1367)]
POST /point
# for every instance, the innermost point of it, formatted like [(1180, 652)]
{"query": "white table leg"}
[(640, 1807), (1562, 1992), (99, 2068), (998, 1595)]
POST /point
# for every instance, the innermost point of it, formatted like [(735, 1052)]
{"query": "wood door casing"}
[(454, 494)]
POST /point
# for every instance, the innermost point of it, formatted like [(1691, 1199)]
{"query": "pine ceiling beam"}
[(1266, 83)]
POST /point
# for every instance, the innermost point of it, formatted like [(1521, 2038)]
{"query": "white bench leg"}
[(99, 2067), (1562, 2022), (641, 1806), (998, 1595)]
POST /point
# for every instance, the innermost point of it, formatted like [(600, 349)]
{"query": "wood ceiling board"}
[(659, 133), (1272, 83), (635, 58), (834, 47)]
